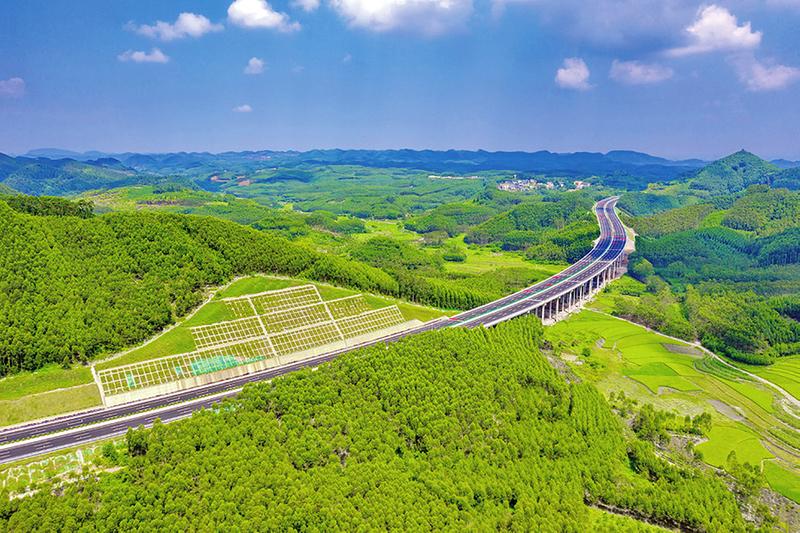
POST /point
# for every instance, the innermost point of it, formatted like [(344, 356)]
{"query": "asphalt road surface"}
[(45, 436)]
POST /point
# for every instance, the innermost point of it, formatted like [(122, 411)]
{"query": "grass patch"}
[(603, 522), (652, 369), (45, 379), (782, 480), (726, 438), (46, 404), (480, 260)]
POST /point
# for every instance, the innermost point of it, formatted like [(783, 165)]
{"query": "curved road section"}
[(66, 431)]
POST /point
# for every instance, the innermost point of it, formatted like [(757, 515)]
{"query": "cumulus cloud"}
[(717, 29), (757, 76), (259, 14), (574, 74), (254, 66), (306, 5), (138, 56), (430, 17), (638, 73), (12, 88), (186, 25), (244, 108)]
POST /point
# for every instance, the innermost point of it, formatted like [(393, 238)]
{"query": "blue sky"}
[(670, 77)]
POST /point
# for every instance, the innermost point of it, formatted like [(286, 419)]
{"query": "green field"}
[(44, 404), (484, 259), (627, 357), (725, 438), (782, 480), (785, 373)]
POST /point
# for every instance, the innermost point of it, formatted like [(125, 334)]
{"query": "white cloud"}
[(244, 108), (139, 56), (347, 58), (254, 66), (641, 25), (430, 17), (574, 74), (186, 25), (638, 73), (12, 88), (717, 29), (259, 14), (757, 76), (306, 5)]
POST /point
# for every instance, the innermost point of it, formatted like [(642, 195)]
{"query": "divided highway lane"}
[(79, 428)]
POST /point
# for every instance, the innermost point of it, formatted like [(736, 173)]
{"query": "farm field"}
[(785, 373), (654, 369)]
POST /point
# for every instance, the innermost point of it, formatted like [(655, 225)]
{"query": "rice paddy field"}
[(785, 373), (676, 377)]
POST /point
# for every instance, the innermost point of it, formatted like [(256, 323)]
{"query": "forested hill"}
[(738, 171), (447, 431), (736, 272), (73, 286), (63, 176)]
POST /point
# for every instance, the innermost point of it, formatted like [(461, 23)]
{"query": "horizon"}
[(684, 80), (100, 153)]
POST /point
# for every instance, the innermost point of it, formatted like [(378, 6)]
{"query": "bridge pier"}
[(561, 305)]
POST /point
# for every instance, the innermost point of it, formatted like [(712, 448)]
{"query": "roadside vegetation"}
[(481, 446)]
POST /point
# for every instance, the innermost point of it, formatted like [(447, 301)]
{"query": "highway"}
[(70, 430)]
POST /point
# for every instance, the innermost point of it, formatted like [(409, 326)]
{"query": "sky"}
[(673, 78)]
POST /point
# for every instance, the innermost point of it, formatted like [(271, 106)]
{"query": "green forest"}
[(732, 274), (77, 285), (451, 430), (74, 287)]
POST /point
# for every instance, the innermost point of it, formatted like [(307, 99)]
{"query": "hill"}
[(42, 176), (72, 288), (498, 440), (733, 174)]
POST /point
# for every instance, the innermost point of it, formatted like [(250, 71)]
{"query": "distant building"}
[(436, 177), (519, 185)]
